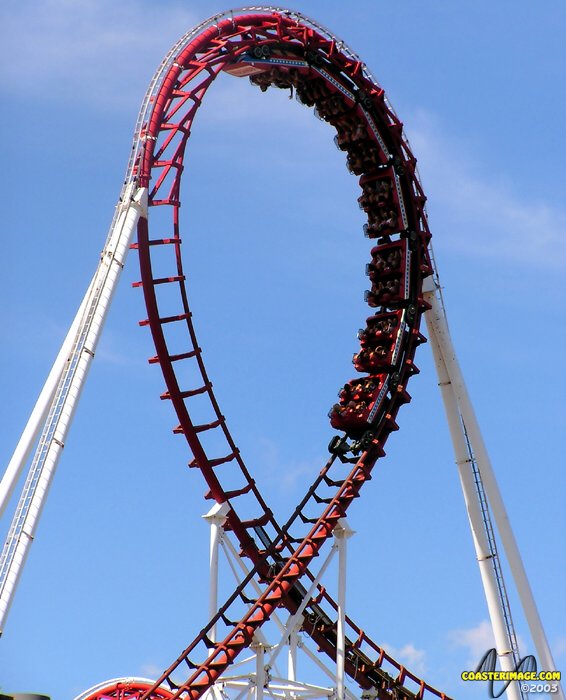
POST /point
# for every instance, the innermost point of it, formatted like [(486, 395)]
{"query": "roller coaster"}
[(277, 49)]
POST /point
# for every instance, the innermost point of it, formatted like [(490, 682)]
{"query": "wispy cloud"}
[(410, 656), (238, 101), (102, 54), (288, 475), (96, 52), (151, 671), (109, 352), (483, 213), (475, 640)]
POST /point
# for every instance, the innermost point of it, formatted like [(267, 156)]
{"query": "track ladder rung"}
[(158, 241), (262, 520), (227, 621), (175, 358), (215, 462), (234, 493), (331, 482), (186, 394), (208, 426), (319, 500), (161, 280), (178, 429), (168, 319), (310, 521)]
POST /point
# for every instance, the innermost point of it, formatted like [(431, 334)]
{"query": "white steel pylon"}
[(261, 673), (482, 495), (53, 413)]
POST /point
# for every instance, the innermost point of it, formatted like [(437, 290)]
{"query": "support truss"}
[(262, 674)]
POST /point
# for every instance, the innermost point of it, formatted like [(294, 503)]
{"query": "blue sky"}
[(116, 580)]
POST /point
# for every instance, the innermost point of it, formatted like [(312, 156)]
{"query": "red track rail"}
[(282, 42), (125, 690)]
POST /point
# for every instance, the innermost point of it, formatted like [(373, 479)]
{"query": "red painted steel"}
[(130, 690), (337, 84)]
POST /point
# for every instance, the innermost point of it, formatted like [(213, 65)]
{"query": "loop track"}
[(276, 47)]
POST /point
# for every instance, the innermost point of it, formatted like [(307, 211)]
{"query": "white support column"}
[(438, 327), (260, 675), (40, 410), (66, 396), (216, 517), (271, 652), (481, 545), (292, 655), (342, 533)]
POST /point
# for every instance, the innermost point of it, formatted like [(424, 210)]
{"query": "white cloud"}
[(484, 215), (102, 54), (236, 100), (97, 52), (109, 352), (151, 671), (476, 640), (286, 476), (409, 656)]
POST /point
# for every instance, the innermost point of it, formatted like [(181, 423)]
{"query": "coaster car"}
[(359, 400)]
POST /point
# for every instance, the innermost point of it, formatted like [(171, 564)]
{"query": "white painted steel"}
[(39, 412), (289, 636), (277, 688), (67, 393), (216, 517), (438, 328), (292, 653), (293, 622), (481, 545), (328, 672), (342, 533), (260, 674)]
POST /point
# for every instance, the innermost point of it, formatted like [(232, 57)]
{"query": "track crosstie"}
[(282, 49)]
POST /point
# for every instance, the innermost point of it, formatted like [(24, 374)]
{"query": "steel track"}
[(284, 553)]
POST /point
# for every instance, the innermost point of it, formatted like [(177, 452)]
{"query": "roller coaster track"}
[(288, 50), (282, 49)]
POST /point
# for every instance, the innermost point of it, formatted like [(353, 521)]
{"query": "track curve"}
[(123, 688), (287, 50)]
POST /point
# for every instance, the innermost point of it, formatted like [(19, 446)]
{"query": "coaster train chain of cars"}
[(283, 49)]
